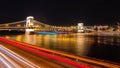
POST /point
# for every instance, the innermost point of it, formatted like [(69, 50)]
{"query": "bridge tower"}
[(29, 24), (80, 27), (30, 21)]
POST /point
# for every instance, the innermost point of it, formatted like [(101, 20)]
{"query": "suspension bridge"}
[(31, 24)]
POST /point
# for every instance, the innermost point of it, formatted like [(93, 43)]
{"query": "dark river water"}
[(100, 46)]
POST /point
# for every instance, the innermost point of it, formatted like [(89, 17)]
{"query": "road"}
[(37, 60), (2, 65), (13, 60), (47, 63)]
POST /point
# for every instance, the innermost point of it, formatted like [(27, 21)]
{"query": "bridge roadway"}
[(47, 63)]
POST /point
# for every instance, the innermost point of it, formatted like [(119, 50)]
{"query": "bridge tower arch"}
[(80, 27), (29, 24), (30, 21)]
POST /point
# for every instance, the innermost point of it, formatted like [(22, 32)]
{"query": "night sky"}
[(61, 12)]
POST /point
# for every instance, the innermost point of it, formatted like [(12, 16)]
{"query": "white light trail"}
[(18, 57), (8, 62)]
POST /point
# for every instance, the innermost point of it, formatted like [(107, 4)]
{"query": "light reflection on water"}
[(103, 46)]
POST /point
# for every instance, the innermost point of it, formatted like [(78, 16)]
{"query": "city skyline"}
[(61, 12)]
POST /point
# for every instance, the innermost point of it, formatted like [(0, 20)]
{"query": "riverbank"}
[(83, 60)]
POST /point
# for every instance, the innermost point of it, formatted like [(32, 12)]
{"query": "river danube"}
[(100, 46)]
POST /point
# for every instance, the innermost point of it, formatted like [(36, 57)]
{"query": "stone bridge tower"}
[(29, 24), (30, 21), (80, 27)]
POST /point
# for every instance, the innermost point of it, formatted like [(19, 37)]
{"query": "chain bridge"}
[(31, 24)]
